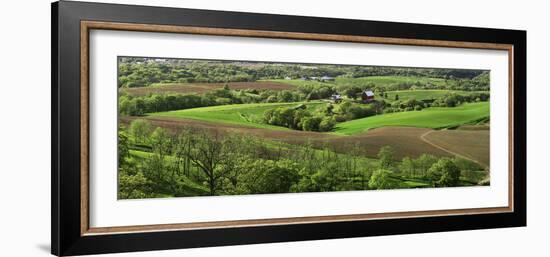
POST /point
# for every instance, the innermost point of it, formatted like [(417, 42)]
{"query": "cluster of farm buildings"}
[(367, 96)]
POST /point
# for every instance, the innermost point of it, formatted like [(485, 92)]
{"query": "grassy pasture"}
[(364, 81), (435, 117), (238, 114), (424, 94), (389, 80), (299, 82)]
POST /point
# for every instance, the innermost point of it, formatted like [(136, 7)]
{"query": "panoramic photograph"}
[(193, 127)]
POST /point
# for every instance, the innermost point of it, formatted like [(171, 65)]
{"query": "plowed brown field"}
[(406, 141), (472, 144)]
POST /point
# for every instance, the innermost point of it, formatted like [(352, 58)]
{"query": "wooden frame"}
[(71, 24)]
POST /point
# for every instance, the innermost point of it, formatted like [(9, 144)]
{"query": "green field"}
[(435, 117), (252, 114), (425, 94), (299, 82), (389, 80), (239, 114), (363, 81)]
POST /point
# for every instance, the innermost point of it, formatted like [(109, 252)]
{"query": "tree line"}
[(141, 72)]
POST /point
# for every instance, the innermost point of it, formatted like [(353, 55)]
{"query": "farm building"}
[(336, 98), (367, 96), (322, 79), (327, 78)]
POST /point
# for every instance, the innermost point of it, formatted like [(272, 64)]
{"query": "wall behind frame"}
[(25, 127)]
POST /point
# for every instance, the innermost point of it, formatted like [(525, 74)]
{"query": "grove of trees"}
[(155, 162)]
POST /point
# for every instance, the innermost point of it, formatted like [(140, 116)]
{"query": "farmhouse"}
[(367, 96), (322, 79), (336, 98), (327, 78)]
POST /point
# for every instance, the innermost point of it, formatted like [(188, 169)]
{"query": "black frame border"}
[(66, 238)]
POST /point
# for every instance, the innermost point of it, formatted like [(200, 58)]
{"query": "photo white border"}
[(107, 211)]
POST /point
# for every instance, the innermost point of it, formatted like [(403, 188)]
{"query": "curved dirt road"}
[(423, 138)]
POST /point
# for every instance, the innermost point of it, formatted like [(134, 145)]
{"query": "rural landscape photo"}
[(191, 127)]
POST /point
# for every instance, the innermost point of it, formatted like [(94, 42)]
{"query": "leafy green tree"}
[(343, 108), (285, 96), (140, 129), (327, 124), (424, 162), (133, 186), (299, 116), (386, 157), (396, 97), (444, 173), (329, 109), (267, 176), (123, 146), (353, 92), (381, 179), (281, 117), (328, 178), (407, 167), (161, 141), (311, 123)]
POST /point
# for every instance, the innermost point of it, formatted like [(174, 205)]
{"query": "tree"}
[(123, 146), (133, 186), (327, 124), (299, 115), (267, 176), (444, 173), (425, 162), (329, 109), (381, 179), (353, 92), (407, 167), (140, 129), (209, 152), (396, 97), (311, 123), (285, 96), (385, 157), (160, 141), (281, 117), (328, 177)]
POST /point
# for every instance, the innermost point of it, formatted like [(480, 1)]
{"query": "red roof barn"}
[(367, 96)]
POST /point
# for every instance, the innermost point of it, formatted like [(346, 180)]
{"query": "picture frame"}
[(72, 23)]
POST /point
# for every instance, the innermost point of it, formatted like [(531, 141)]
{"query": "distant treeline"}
[(140, 72)]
